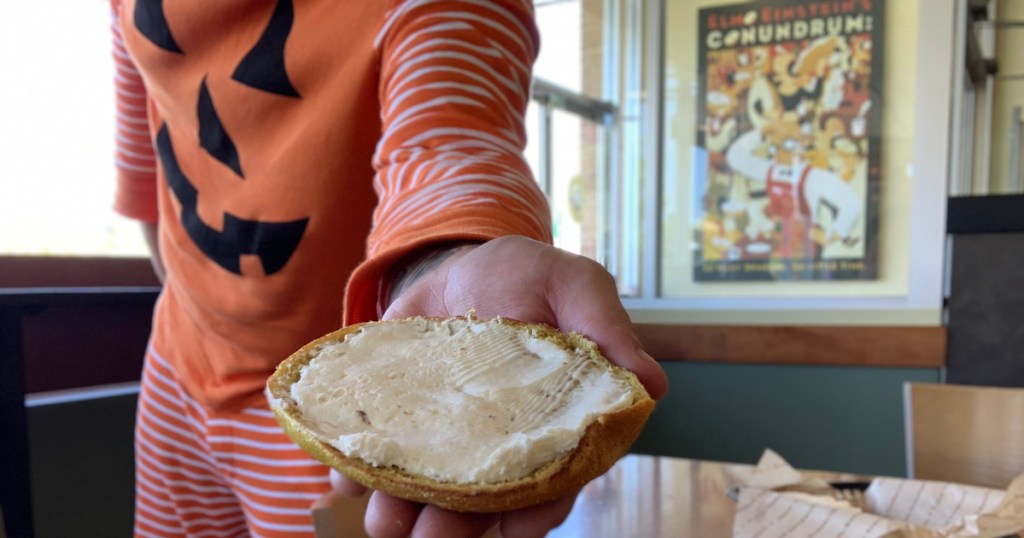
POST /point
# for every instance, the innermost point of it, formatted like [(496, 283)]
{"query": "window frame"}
[(932, 147), (40, 272)]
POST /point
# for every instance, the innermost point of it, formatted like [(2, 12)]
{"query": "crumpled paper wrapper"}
[(778, 501)]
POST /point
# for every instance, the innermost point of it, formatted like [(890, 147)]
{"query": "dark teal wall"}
[(817, 417), (82, 467)]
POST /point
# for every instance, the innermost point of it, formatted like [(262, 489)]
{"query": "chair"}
[(965, 434)]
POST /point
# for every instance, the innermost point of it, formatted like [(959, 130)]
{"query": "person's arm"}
[(134, 158), (406, 272), (454, 86), (741, 158), (151, 233), (455, 80)]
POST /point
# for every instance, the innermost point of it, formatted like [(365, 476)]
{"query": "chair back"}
[(965, 434)]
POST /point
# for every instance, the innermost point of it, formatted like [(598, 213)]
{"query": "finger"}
[(327, 500), (345, 485), (586, 301), (536, 521), (625, 351), (390, 517), (437, 522)]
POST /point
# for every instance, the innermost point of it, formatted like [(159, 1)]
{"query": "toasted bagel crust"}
[(605, 440)]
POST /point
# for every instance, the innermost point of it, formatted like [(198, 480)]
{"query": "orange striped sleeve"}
[(134, 157), (454, 86)]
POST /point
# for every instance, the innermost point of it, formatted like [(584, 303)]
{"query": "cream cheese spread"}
[(457, 400)]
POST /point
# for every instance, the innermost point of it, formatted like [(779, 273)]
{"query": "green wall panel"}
[(817, 417)]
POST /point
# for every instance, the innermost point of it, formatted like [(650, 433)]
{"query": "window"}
[(56, 146), (56, 143), (585, 128), (56, 139), (911, 199)]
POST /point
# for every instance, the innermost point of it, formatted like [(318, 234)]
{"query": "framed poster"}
[(786, 171)]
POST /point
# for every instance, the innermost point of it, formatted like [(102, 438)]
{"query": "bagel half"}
[(603, 441)]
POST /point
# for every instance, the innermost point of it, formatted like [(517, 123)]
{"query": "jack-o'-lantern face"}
[(262, 67)]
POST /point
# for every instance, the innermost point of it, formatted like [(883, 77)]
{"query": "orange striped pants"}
[(216, 473)]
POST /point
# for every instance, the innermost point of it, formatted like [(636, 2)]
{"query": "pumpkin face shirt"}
[(291, 151)]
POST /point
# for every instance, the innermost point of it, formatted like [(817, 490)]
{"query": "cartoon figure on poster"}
[(785, 128)]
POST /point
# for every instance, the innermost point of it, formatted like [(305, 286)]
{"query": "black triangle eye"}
[(263, 66), (213, 137), (151, 22)]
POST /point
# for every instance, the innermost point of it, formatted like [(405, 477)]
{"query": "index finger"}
[(586, 301)]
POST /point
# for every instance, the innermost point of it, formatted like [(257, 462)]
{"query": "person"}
[(797, 190), (303, 164)]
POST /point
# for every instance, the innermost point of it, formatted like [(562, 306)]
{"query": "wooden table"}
[(644, 496), (658, 496)]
